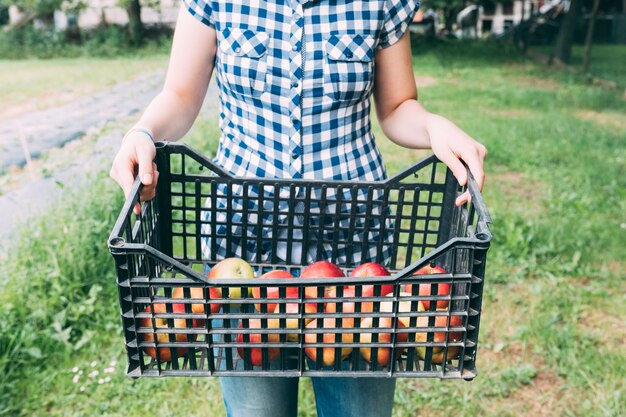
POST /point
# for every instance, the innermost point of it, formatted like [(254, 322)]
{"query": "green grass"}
[(552, 334), (35, 84), (607, 61)]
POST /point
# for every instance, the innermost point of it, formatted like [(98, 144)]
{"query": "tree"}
[(589, 37), (450, 9), (565, 38), (136, 28)]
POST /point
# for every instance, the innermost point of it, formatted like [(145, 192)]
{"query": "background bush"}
[(110, 41)]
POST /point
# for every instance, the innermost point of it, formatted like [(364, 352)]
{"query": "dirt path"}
[(90, 145), (50, 128)]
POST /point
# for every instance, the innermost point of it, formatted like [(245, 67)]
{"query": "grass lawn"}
[(36, 84), (607, 60), (552, 335)]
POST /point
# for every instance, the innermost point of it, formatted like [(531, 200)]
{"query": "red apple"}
[(372, 269), (425, 289), (348, 306), (273, 292), (440, 337), (196, 293), (383, 352), (256, 353), (230, 268), (321, 269), (165, 354), (328, 353)]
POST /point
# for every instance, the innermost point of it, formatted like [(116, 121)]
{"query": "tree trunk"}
[(135, 25), (449, 13), (565, 37), (589, 38)]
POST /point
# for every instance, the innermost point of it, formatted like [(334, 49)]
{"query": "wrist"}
[(432, 122), (139, 131)]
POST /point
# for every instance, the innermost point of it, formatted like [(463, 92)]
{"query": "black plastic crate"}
[(175, 325)]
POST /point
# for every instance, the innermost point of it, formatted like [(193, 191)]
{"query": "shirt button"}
[(294, 84), (294, 48), (294, 155), (348, 54), (294, 121), (237, 49)]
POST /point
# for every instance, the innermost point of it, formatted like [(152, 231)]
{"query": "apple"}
[(440, 337), (273, 292), (328, 353), (348, 306), (165, 354), (404, 307), (372, 269), (196, 293), (256, 353), (294, 323), (383, 352), (320, 269), (230, 268), (425, 289)]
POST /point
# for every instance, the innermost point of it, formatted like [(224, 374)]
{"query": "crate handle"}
[(193, 154), (410, 171), (484, 219), (115, 238)]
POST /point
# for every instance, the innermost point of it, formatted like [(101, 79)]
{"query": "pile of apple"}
[(238, 268)]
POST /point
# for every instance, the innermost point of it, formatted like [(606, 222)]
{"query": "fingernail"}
[(147, 178)]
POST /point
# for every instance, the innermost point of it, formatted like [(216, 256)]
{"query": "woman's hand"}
[(406, 122), (452, 145), (136, 153)]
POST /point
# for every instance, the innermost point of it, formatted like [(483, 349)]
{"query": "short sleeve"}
[(398, 16), (201, 10)]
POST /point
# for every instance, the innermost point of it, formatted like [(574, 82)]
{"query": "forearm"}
[(407, 125), (170, 115), (172, 112)]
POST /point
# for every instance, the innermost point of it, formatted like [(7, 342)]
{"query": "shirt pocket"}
[(349, 67), (243, 61)]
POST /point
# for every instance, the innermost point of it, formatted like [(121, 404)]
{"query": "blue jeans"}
[(334, 397)]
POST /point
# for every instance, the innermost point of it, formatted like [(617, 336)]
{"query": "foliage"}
[(39, 7), (4, 14), (108, 41), (60, 294)]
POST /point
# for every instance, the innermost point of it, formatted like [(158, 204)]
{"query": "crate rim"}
[(481, 237)]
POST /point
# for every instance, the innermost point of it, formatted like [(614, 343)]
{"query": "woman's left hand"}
[(452, 145), (407, 123)]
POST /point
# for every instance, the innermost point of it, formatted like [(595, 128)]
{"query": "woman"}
[(295, 80)]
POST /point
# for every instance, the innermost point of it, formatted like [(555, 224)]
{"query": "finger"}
[(125, 178), (475, 165), (482, 151), (149, 191), (137, 209), (458, 170), (146, 165), (463, 198)]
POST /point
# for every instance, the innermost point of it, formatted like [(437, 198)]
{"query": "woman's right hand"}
[(136, 155)]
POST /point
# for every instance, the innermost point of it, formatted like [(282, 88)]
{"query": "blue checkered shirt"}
[(295, 80)]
